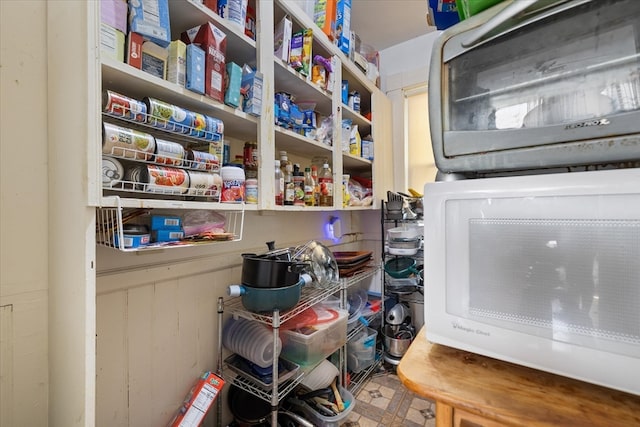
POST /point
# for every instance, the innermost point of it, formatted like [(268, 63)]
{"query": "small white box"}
[(177, 62)]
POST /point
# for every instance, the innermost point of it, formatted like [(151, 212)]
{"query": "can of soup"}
[(168, 116), (199, 124), (135, 178), (166, 180), (214, 129), (119, 141), (205, 184), (169, 153), (112, 172), (201, 160), (122, 106)]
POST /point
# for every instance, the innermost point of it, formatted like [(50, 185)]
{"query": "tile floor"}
[(384, 402)]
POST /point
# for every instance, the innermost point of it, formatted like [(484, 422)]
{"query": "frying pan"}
[(401, 267)]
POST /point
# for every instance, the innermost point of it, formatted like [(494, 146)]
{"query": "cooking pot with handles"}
[(272, 269), (261, 300), (401, 267)]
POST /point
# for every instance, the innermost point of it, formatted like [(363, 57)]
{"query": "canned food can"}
[(199, 124), (133, 236), (135, 178), (201, 160), (232, 184), (119, 141), (205, 184), (167, 180), (251, 191), (112, 172), (169, 153), (122, 106), (168, 116), (214, 129)]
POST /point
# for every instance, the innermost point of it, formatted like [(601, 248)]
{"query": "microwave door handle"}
[(499, 18)]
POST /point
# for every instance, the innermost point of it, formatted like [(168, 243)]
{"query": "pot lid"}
[(322, 264)]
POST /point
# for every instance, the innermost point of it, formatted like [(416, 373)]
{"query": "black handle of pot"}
[(271, 245)]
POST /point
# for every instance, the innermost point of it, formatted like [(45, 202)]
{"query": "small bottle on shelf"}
[(298, 184), (279, 184), (326, 186), (309, 188), (289, 186), (316, 185)]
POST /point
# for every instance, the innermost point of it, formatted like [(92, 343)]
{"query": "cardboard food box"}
[(324, 16), (151, 19), (114, 14), (234, 81), (154, 59), (134, 50), (177, 63), (343, 25), (112, 42), (282, 39), (214, 43), (252, 92), (198, 401), (195, 69)]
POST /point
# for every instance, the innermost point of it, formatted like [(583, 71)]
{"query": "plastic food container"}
[(232, 184), (361, 350), (320, 420), (133, 236), (309, 345)]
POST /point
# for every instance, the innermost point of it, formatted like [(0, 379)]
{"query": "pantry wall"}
[(88, 335)]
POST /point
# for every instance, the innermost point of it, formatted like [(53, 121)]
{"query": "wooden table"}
[(473, 390)]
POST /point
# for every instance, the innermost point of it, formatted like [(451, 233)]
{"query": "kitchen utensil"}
[(401, 267), (273, 269), (336, 393), (320, 263), (398, 314), (396, 342), (404, 247), (394, 201), (407, 232), (260, 300), (320, 376)]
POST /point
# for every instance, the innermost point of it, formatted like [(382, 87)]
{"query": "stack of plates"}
[(352, 261)]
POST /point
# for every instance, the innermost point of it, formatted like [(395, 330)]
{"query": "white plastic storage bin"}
[(309, 345), (361, 350), (320, 420)]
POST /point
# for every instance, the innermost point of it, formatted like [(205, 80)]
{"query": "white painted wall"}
[(24, 253), (404, 66)]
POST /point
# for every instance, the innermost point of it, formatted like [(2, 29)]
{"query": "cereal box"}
[(198, 401)]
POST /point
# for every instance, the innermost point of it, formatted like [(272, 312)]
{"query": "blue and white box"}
[(343, 25), (150, 18), (195, 68)]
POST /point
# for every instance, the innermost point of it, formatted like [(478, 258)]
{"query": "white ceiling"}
[(385, 23)]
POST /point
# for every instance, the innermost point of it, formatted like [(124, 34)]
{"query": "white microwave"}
[(538, 270), (531, 84)]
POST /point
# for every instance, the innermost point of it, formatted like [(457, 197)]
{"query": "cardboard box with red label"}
[(214, 43), (198, 401)]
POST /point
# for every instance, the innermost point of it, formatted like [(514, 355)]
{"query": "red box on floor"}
[(198, 401), (214, 43)]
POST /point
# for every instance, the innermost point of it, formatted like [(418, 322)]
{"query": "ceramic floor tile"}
[(384, 402)]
